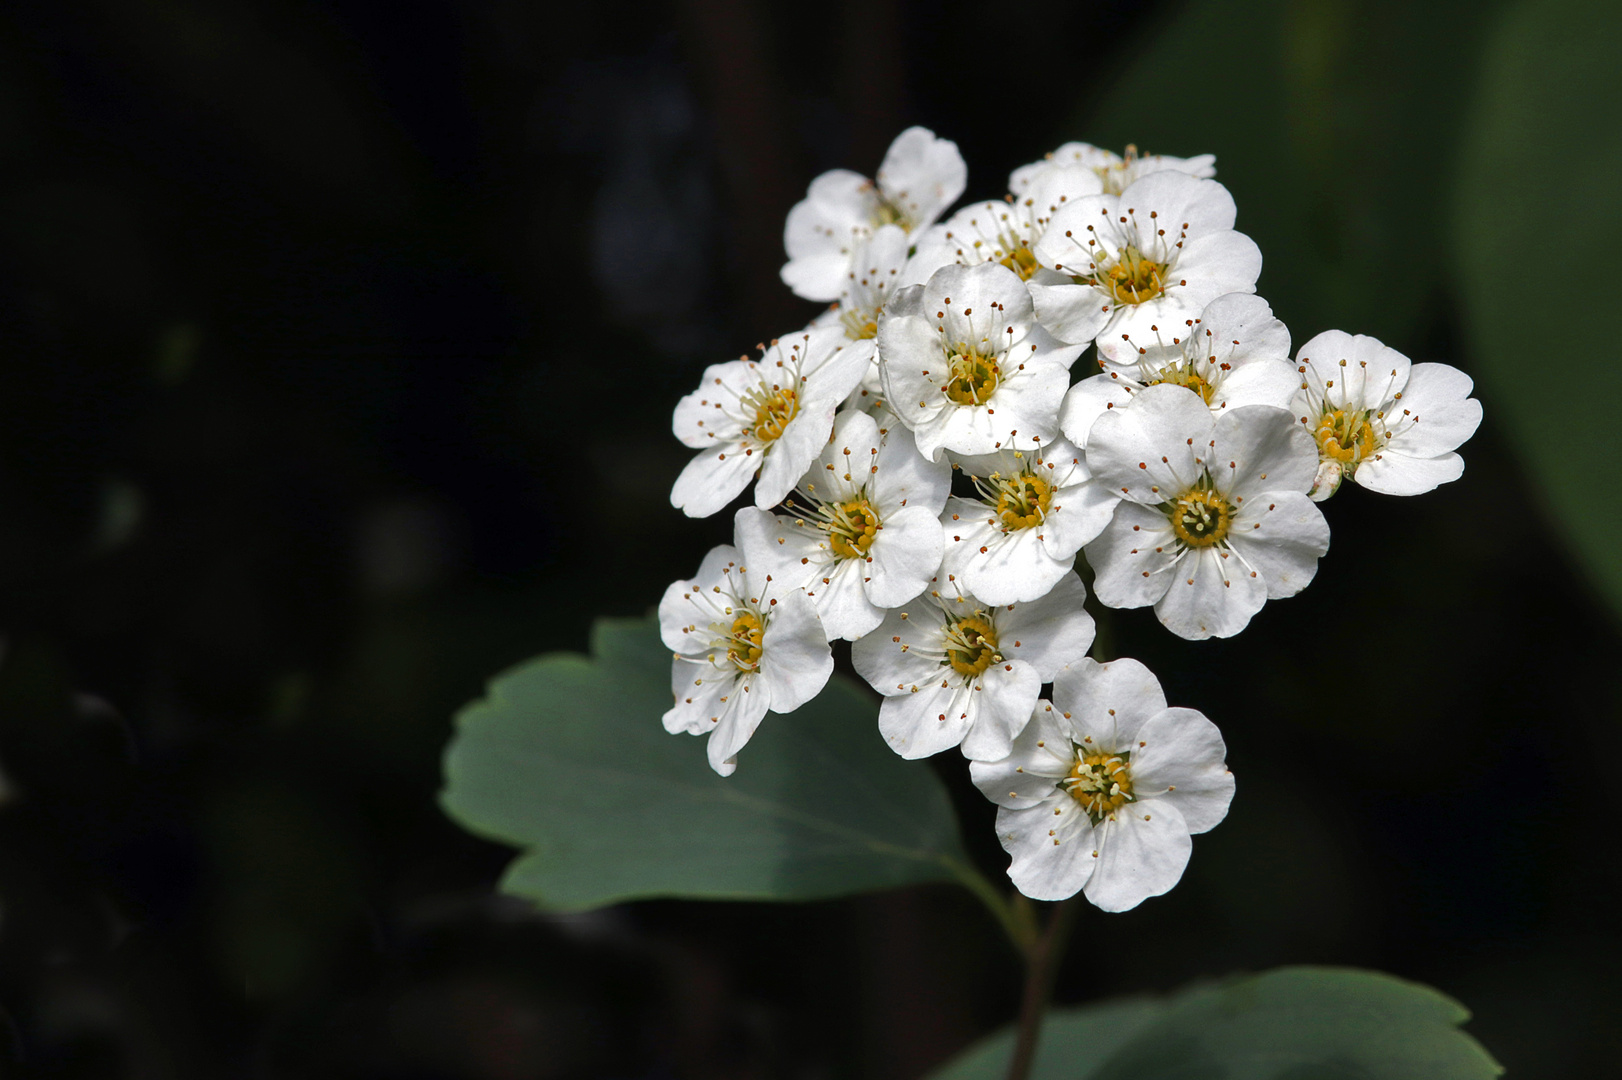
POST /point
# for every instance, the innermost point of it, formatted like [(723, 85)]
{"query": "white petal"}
[(922, 174), (1436, 413), (1260, 382), (934, 719), (1142, 852), (1397, 474), (1091, 398), (1108, 704), (1148, 452), (904, 556), (1004, 696), (1079, 513), (1260, 449), (1134, 558), (1182, 760), (1211, 595), (1351, 371), (887, 658), (1050, 632), (1040, 757), (1281, 535), (1053, 847), (744, 708), (711, 480), (1007, 568), (795, 660)]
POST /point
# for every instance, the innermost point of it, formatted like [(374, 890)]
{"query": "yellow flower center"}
[(971, 646), (1023, 501), (851, 528), (1185, 375), (888, 213), (1100, 783), (773, 412), (1346, 437), (1133, 279), (972, 378), (859, 325), (743, 643), (1200, 518), (1021, 261)]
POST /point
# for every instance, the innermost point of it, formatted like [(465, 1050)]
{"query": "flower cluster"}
[(926, 474)]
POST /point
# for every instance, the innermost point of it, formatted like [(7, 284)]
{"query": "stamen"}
[(1100, 783)]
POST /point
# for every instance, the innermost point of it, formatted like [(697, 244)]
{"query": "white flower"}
[(865, 536), (744, 646), (1236, 353), (1002, 232), (921, 176), (1147, 259), (966, 367), (1104, 788), (1214, 520), (955, 671), (1035, 510), (874, 274), (1115, 172), (770, 416), (1379, 421)]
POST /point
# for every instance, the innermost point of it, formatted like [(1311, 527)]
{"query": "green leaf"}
[(566, 758), (1537, 229), (1299, 1023)]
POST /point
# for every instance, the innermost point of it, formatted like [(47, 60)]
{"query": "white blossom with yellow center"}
[(1033, 511), (1378, 420), (876, 272), (1115, 172), (1214, 519), (1104, 789), (744, 646), (957, 672), (768, 417), (920, 177), (1142, 262), (1235, 353), (861, 533), (966, 367), (1002, 232)]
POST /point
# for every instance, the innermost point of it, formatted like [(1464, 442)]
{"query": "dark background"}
[(338, 342)]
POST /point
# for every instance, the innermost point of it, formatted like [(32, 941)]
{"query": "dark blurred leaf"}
[(1289, 1024), (566, 758), (1537, 195), (1333, 123)]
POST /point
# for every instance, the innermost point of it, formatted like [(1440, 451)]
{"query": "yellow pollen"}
[(1021, 261), (971, 646), (1100, 783), (773, 414), (743, 644), (1134, 279), (1185, 375), (1200, 518), (973, 378), (1023, 501), (1346, 437), (851, 528), (859, 325), (888, 213)]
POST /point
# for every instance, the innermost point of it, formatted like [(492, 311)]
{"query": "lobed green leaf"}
[(566, 759)]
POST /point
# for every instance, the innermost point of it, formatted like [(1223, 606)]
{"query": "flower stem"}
[(1041, 968), (1014, 916)]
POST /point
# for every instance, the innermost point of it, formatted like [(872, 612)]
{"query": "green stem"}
[(1041, 968), (1015, 916)]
